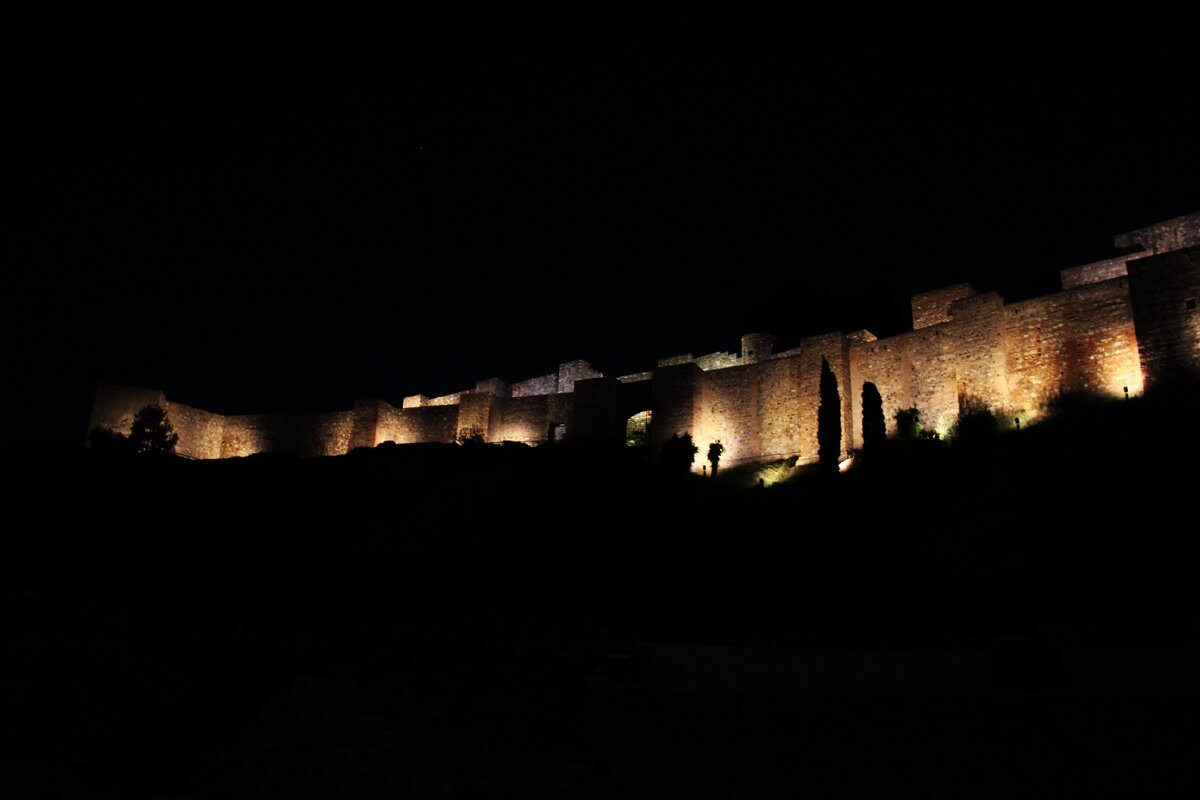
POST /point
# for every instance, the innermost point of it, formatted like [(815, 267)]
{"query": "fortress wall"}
[(980, 366), (1168, 331), (728, 412), (561, 408), (366, 422), (475, 415), (321, 434), (444, 400), (115, 406), (1095, 272), (781, 406), (573, 371), (1080, 340), (1101, 354), (888, 364), (718, 361), (1036, 335), (418, 424), (520, 419), (932, 308), (528, 419), (327, 434), (245, 435), (200, 432), (675, 402), (1173, 234), (596, 412), (543, 384), (934, 380), (1117, 323), (769, 409), (934, 366), (834, 348)]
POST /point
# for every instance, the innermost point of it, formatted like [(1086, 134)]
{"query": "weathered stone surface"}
[(1119, 324)]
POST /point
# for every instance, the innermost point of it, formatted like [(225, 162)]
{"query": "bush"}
[(976, 422), (679, 452), (908, 424)]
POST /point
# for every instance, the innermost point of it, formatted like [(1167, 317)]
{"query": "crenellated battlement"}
[(1118, 326)]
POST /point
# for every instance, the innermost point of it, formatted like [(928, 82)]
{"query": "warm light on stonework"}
[(1113, 330)]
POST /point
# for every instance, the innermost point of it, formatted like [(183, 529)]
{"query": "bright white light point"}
[(845, 465)]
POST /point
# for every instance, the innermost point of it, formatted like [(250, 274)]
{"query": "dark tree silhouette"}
[(976, 422), (908, 424), (829, 422), (679, 452), (873, 428), (714, 455), (152, 432)]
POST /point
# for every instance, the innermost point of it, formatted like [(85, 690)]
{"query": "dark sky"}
[(267, 212)]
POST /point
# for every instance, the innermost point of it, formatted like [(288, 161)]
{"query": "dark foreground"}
[(995, 619)]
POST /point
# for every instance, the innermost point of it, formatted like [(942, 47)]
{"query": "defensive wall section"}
[(1123, 325)]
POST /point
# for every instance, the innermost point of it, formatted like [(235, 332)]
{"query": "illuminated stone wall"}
[(201, 433), (1162, 237), (954, 351), (543, 384), (888, 364), (417, 424), (1165, 293), (1118, 323), (322, 434), (1012, 359), (524, 419), (574, 371), (932, 308), (1080, 340), (1095, 272), (676, 404), (761, 410), (474, 414)]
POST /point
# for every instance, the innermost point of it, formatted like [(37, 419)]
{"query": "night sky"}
[(260, 213)]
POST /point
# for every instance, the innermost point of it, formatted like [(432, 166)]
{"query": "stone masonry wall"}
[(200, 432), (888, 364), (574, 371), (767, 409), (543, 384), (1173, 234), (414, 425), (935, 366), (1096, 272), (676, 401), (1118, 324), (932, 308), (1080, 340), (1165, 294), (474, 414), (520, 419), (324, 434)]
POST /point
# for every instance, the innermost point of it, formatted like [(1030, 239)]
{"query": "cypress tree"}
[(829, 421), (874, 431)]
